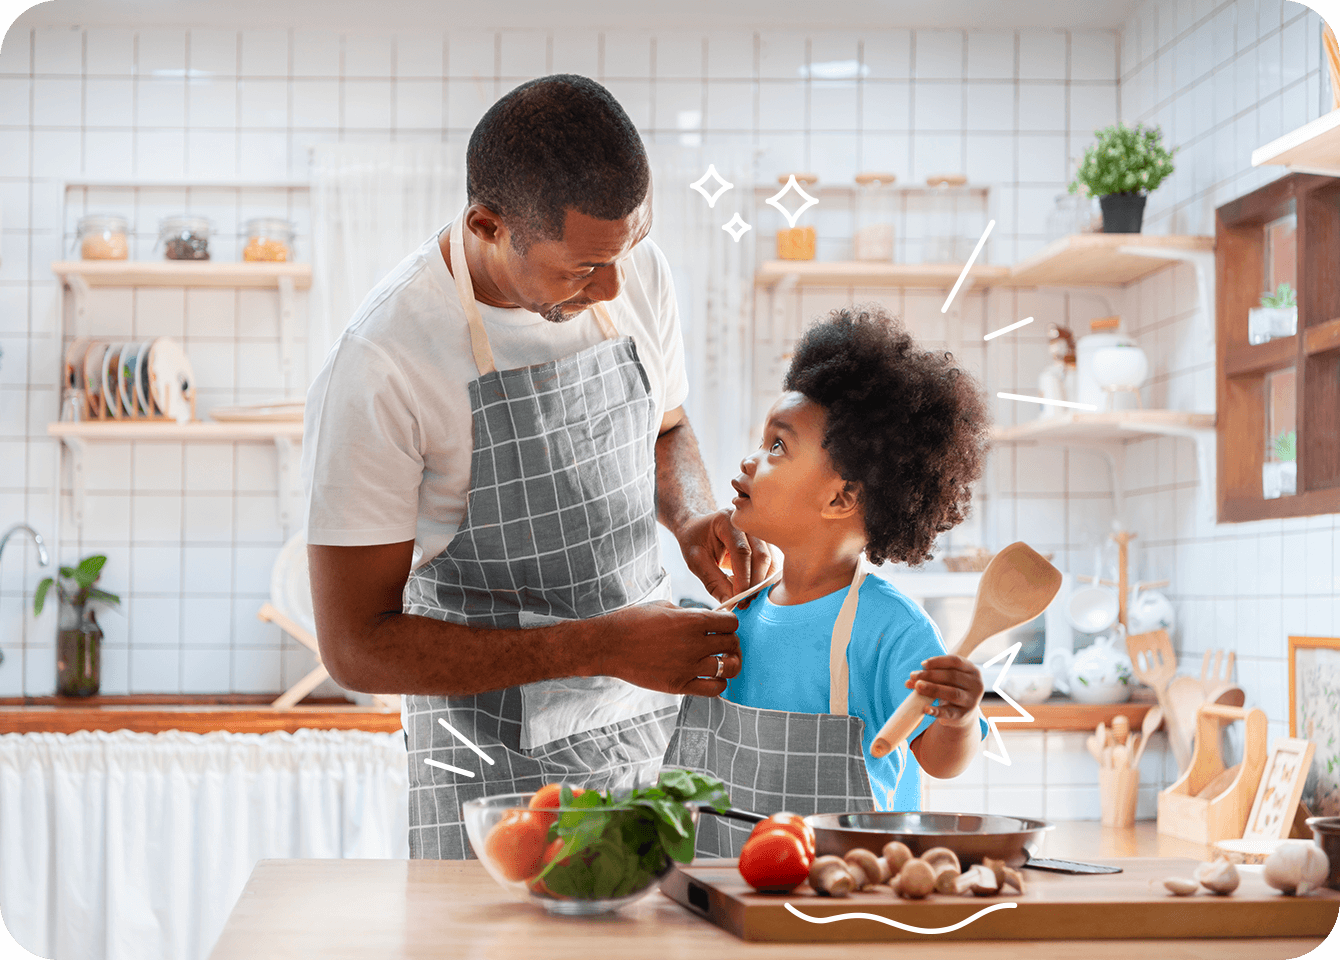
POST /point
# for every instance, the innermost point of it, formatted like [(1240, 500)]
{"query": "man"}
[(489, 447)]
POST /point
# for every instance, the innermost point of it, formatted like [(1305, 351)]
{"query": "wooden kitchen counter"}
[(157, 713), (394, 909)]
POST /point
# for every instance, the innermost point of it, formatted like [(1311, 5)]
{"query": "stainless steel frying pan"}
[(972, 836)]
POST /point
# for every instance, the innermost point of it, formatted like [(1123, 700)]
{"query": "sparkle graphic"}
[(1024, 715), (1014, 326), (737, 228), (1046, 402), (904, 926), (963, 274), (465, 740), (775, 201), (722, 185)]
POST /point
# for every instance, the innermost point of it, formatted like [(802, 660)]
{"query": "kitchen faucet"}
[(37, 539)]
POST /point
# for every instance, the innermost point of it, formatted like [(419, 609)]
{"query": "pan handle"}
[(732, 813)]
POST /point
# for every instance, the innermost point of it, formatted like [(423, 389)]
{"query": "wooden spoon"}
[(1095, 747), (1153, 720), (1016, 586)]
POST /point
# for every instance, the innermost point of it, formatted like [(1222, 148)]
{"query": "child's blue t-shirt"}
[(785, 654)]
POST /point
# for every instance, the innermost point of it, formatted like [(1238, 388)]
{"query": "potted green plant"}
[(1277, 316), (1120, 170), (79, 638), (1279, 471)]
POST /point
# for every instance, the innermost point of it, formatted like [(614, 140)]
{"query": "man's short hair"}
[(553, 144)]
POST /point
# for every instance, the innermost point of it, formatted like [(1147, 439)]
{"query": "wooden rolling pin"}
[(1016, 586)]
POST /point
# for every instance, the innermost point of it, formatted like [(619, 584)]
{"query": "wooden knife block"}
[(1205, 820)]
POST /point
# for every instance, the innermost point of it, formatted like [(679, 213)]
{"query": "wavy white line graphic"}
[(904, 926)]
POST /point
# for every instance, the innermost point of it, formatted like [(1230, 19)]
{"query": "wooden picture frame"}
[(1281, 787), (1314, 715)]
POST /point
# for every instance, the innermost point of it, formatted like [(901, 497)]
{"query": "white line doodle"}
[(1014, 326), (465, 740), (963, 274), (446, 766), (1043, 400), (904, 926)]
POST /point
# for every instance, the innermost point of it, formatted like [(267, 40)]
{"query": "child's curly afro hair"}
[(905, 424)]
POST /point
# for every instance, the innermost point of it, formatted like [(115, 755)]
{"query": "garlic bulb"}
[(1297, 866), (1219, 877)]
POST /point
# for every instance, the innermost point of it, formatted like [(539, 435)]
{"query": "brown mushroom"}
[(916, 879), (997, 868), (938, 855), (977, 880), (897, 854), (945, 878), (830, 877), (1013, 878), (866, 868)]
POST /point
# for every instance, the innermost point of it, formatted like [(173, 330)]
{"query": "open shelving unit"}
[(182, 273), (1113, 427)]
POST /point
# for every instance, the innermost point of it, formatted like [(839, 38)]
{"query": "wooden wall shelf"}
[(1066, 714), (156, 431), (1105, 427), (1080, 260), (1242, 369), (189, 714), (1312, 148), (182, 273)]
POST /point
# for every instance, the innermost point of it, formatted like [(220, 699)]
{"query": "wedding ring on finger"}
[(721, 666)]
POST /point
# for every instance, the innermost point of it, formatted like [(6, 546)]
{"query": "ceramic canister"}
[(1088, 389)]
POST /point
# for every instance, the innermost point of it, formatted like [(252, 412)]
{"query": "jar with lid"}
[(269, 239), (876, 210), (184, 238), (796, 243), (103, 237), (1089, 379)]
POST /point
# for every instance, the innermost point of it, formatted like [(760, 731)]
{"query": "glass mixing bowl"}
[(515, 844)]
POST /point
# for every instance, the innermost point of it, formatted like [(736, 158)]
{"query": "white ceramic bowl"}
[(1100, 692), (1028, 688), (1091, 609)]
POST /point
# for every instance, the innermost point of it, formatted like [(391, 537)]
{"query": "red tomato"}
[(551, 851), (549, 797), (774, 861), (794, 823), (516, 843)]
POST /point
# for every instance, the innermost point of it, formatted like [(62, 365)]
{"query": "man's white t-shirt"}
[(387, 433)]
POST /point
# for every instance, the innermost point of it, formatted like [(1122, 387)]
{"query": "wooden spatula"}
[(1016, 586)]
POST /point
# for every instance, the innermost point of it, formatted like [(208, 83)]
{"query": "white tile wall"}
[(1012, 109)]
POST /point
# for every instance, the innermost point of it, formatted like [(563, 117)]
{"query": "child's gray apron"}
[(559, 524), (775, 760)]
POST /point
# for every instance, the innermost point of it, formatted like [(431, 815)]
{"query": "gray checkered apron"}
[(774, 760), (560, 523)]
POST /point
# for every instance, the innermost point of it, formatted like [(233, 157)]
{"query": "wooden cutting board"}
[(1055, 906)]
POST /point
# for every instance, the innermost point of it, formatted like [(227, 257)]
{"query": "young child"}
[(873, 447)]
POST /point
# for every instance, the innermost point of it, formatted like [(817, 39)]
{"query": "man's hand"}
[(707, 538), (664, 647), (956, 682)]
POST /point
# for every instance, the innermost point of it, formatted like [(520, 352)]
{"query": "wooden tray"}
[(1117, 906)]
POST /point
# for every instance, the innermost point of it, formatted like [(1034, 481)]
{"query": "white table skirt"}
[(134, 846)]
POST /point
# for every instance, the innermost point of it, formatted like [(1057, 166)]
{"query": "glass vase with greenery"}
[(1120, 169), (79, 638)]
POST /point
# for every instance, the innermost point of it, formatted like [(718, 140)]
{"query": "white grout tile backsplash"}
[(191, 530)]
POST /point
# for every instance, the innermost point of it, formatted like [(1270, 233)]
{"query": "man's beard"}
[(556, 314)]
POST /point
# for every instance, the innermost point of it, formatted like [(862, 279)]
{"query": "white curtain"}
[(131, 846), (714, 283), (372, 204)]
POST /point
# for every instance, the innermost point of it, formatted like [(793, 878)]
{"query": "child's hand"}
[(954, 681)]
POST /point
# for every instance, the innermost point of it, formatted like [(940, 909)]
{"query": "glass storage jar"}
[(268, 239), (796, 243), (103, 237), (876, 210), (184, 238)]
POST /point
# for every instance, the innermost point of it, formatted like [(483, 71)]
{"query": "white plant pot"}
[(1122, 367), (1279, 478), (1271, 323)]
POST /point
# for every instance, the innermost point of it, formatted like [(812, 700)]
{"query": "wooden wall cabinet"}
[(1246, 372)]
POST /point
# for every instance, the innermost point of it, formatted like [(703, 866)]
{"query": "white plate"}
[(290, 589), (171, 380), (92, 378), (111, 366), (142, 395)]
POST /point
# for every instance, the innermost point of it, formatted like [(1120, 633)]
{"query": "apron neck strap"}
[(465, 290), (837, 650)]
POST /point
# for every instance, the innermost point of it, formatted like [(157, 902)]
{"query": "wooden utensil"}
[(1182, 697), (1016, 586), (1121, 729), (1155, 665), (1153, 720), (1095, 746), (1218, 683), (1186, 810)]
